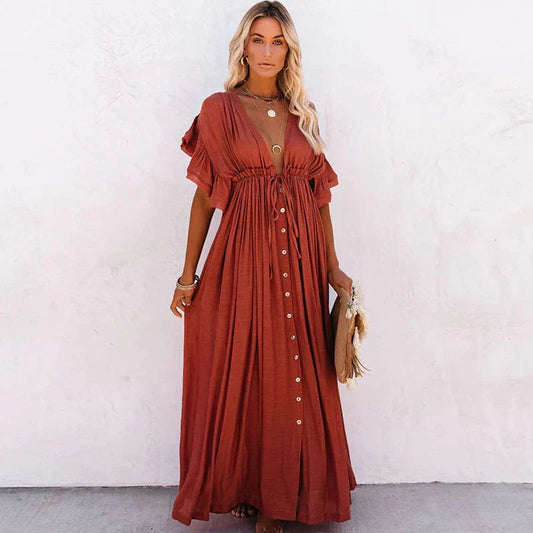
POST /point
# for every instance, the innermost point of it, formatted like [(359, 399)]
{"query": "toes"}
[(242, 510), (268, 525)]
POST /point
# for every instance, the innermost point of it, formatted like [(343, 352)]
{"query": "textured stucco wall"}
[(427, 108)]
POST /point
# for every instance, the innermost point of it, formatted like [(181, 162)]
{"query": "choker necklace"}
[(271, 112)]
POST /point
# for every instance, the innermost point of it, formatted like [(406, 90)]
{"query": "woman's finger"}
[(177, 303), (182, 299)]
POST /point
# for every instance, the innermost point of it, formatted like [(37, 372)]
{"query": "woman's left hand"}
[(337, 278)]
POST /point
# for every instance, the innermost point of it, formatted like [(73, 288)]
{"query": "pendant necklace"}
[(276, 148), (271, 111)]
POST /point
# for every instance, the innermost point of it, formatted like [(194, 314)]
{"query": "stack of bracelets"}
[(190, 285)]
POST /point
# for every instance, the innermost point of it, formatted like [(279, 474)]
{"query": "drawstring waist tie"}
[(273, 214)]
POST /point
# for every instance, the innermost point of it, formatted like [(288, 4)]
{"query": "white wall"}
[(427, 108)]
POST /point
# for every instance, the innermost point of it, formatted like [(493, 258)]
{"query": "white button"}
[(281, 189), (297, 380), (296, 356), (287, 293), (289, 315), (285, 274), (293, 336), (282, 210), (298, 398), (298, 421), (283, 252), (283, 230)]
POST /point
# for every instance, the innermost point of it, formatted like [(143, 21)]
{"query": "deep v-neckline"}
[(261, 140)]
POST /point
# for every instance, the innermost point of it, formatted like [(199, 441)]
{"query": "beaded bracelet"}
[(190, 285)]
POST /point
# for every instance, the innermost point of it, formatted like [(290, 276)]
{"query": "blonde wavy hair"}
[(289, 79)]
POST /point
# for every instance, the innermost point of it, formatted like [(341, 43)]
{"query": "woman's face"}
[(266, 48)]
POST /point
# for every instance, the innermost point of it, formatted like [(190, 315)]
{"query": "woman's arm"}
[(199, 222), (333, 261), (336, 276)]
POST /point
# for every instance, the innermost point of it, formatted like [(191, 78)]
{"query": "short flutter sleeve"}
[(200, 169), (325, 178), (323, 175), (201, 142)]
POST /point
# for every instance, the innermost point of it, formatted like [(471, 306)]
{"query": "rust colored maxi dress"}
[(261, 417)]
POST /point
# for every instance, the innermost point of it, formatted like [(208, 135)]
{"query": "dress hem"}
[(283, 515)]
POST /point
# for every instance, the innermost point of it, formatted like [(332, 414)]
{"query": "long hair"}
[(289, 79)]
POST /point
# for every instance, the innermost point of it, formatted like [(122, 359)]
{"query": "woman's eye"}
[(257, 40)]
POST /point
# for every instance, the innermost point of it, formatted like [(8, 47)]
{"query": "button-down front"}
[(274, 214)]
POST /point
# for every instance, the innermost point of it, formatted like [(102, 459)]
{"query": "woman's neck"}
[(266, 87)]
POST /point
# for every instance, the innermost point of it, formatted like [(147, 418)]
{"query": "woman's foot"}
[(268, 525), (243, 509)]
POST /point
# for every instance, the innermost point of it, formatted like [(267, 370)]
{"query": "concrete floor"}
[(409, 508)]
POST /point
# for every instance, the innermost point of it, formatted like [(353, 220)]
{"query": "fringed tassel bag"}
[(350, 326)]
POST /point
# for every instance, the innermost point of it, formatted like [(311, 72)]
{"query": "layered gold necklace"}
[(271, 112)]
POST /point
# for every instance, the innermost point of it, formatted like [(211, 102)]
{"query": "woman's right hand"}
[(182, 297)]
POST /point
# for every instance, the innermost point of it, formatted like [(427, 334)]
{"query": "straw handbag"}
[(350, 326)]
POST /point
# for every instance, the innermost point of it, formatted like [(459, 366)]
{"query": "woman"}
[(262, 431)]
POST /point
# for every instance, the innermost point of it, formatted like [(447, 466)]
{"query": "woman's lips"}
[(266, 65)]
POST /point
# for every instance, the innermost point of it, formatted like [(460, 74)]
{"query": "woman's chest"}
[(254, 146)]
